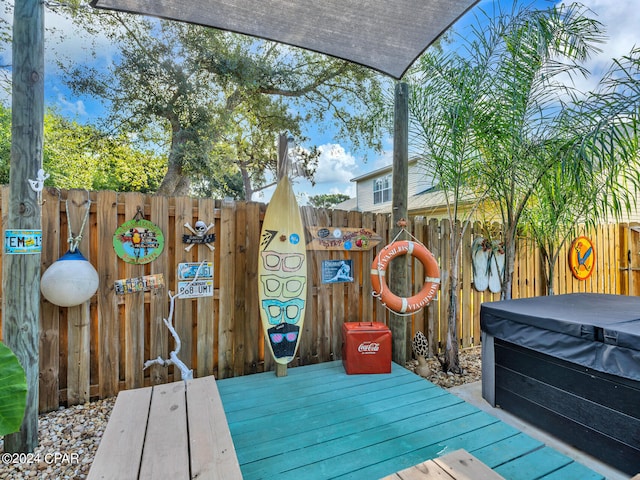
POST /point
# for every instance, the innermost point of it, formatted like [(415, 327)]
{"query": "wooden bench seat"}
[(177, 430), (458, 465)]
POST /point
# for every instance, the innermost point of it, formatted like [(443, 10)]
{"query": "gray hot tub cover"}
[(598, 331)]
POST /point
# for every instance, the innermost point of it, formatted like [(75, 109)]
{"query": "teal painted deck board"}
[(319, 423), (538, 463)]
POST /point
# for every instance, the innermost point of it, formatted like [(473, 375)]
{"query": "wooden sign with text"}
[(342, 238)]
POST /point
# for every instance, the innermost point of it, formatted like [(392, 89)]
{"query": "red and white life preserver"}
[(379, 282)]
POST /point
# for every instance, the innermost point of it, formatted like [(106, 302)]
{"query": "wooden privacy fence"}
[(99, 348)]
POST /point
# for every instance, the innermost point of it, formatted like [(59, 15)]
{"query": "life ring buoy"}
[(379, 282)]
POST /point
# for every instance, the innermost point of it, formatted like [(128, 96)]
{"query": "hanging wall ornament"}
[(138, 241), (71, 280)]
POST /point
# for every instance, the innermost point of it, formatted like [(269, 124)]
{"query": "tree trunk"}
[(451, 362), (510, 258), (175, 183), (172, 180)]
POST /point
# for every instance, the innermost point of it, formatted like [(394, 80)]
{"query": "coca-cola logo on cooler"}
[(368, 348)]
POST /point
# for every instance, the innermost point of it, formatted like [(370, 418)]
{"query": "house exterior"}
[(374, 189), (374, 192)]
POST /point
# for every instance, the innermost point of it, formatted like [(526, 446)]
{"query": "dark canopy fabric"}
[(385, 35)]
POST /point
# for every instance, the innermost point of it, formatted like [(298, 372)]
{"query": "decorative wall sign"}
[(22, 241), (195, 289), (138, 241), (145, 283), (337, 271), (582, 258), (189, 270), (200, 235), (348, 238)]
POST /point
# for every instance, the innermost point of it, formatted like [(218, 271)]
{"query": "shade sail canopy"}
[(385, 35)]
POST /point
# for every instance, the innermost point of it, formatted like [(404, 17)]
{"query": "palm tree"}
[(496, 118)]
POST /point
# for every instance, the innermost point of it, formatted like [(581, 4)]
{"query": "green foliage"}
[(327, 200), (5, 143), (80, 156), (13, 391), (496, 118), (221, 99)]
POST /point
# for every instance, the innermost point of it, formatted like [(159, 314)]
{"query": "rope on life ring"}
[(379, 282)]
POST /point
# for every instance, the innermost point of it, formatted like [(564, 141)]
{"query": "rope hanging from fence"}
[(74, 241)]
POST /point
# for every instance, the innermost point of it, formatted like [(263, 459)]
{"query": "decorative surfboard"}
[(282, 274)]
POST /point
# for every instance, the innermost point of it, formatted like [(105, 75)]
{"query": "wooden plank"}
[(457, 465), (240, 289), (338, 220), (537, 464), (166, 450), (49, 313), (253, 327), (381, 314), (159, 298), (226, 321), (212, 453), (307, 350), (107, 266), (205, 320), (183, 309), (134, 308), (78, 317), (461, 465), (445, 264), (615, 260), (433, 318), (466, 313), (418, 320), (120, 449), (324, 292), (367, 258), (354, 294), (428, 470)]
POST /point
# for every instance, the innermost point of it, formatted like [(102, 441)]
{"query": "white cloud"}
[(621, 19), (335, 165)]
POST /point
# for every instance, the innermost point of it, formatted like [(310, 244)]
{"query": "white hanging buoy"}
[(70, 281)]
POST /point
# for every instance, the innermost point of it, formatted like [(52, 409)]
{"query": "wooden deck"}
[(320, 423)]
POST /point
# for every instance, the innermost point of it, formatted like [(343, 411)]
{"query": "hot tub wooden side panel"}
[(597, 412)]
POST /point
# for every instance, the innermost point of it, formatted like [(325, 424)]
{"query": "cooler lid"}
[(365, 326)]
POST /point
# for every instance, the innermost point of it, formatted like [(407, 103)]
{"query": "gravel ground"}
[(470, 362), (69, 437)]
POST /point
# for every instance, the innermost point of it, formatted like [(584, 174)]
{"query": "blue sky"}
[(338, 164)]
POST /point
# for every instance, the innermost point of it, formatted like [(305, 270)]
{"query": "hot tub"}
[(569, 364)]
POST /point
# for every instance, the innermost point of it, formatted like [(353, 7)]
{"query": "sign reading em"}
[(22, 241)]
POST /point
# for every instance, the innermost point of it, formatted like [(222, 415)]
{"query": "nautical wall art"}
[(346, 238), (138, 241), (582, 258), (199, 235), (146, 283), (337, 271)]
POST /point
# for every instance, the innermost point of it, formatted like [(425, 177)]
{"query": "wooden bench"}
[(458, 465), (177, 430)]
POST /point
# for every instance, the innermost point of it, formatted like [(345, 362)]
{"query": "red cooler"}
[(366, 347)]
